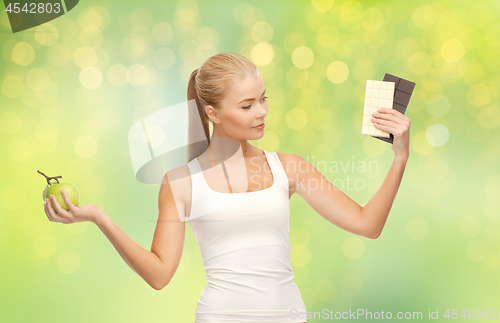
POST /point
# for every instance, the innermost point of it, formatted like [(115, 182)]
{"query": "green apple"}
[(55, 189)]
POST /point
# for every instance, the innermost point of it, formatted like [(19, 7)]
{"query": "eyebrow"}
[(251, 99)]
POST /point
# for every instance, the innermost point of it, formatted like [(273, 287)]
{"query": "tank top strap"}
[(277, 168)]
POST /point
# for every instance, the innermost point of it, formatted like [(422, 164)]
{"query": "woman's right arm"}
[(156, 267)]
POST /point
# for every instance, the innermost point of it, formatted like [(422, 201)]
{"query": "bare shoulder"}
[(292, 163), (179, 181)]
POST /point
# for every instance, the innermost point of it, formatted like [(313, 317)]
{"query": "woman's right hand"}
[(75, 214)]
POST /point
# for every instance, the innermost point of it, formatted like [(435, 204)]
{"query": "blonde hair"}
[(208, 86)]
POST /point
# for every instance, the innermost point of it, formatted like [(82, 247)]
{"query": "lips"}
[(259, 125)]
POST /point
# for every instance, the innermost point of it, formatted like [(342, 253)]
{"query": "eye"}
[(248, 106)]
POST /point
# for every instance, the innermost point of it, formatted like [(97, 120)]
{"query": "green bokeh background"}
[(72, 88)]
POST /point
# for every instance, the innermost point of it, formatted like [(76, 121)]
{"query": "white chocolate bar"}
[(379, 94)]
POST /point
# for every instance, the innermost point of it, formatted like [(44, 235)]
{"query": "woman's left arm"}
[(376, 211), (335, 206)]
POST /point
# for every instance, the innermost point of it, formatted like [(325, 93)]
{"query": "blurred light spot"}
[(10, 123), (324, 290), (68, 262), (14, 198), (118, 75), (490, 117), (262, 32), (353, 248), (300, 255), (492, 186), (314, 227), (86, 147), (438, 105), (417, 229), (144, 17), (322, 5), (108, 118), (162, 33), (424, 17), (58, 55), (351, 285), (417, 177), (206, 38), (44, 246), (12, 86), (437, 168), (296, 119), (351, 11), (372, 19), (492, 232), (19, 150), (321, 119), (327, 36), (37, 79), (454, 71), (294, 40), (476, 250), (244, 14), (79, 169), (479, 95), (302, 57), (85, 57), (46, 130), (299, 235), (376, 38), (91, 77), (484, 162), (475, 71), (185, 15), (91, 36), (437, 135), (476, 132), (164, 58), (406, 47), (452, 50), (50, 93), (470, 226), (419, 63), (23, 54), (372, 147), (444, 212), (480, 15), (133, 45), (315, 20), (297, 78), (139, 75), (337, 72), (262, 54), (46, 34)]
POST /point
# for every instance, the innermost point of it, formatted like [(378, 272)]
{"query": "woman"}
[(241, 221)]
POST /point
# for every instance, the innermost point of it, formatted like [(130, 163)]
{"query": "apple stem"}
[(49, 178)]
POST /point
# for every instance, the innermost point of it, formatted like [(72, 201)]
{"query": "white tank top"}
[(244, 244)]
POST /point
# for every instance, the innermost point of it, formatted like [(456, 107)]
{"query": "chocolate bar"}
[(402, 93), (379, 94)]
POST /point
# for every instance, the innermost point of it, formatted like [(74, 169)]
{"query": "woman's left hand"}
[(398, 124)]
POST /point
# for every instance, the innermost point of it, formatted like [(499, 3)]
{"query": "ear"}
[(212, 114)]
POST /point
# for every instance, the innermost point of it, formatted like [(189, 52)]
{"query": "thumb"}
[(66, 199)]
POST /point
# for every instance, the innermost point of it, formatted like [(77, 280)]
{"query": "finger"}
[(388, 121), (52, 214), (390, 111), (60, 212), (66, 199), (46, 210)]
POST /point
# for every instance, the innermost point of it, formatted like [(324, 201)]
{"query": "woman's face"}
[(243, 108)]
